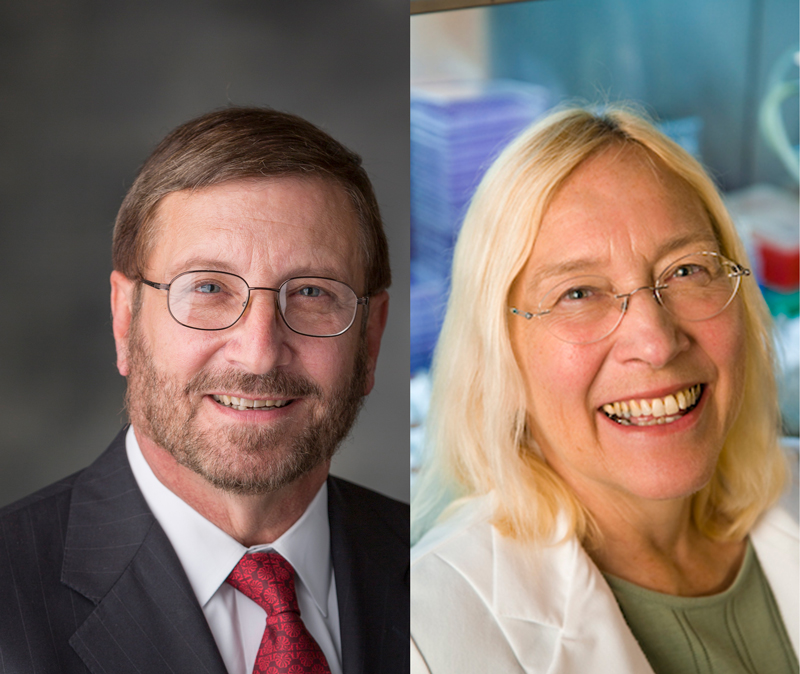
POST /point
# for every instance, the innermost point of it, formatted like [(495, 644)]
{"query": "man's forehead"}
[(294, 198), (311, 220)]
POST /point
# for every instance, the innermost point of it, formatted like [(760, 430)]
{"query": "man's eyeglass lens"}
[(586, 309), (212, 300)]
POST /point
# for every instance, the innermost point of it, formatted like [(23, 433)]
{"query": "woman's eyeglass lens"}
[(214, 300), (586, 309)]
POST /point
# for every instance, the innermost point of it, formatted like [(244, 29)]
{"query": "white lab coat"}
[(478, 605)]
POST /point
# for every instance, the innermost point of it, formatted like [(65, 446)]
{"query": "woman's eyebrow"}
[(702, 240), (586, 264), (575, 266)]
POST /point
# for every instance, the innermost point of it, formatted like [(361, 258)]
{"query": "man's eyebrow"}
[(701, 241), (215, 264), (198, 263)]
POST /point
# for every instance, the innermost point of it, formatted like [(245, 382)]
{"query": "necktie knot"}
[(267, 579), (286, 647)]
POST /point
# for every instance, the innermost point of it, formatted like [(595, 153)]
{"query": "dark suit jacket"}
[(90, 583)]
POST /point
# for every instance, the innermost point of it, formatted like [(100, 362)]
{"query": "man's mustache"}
[(275, 383)]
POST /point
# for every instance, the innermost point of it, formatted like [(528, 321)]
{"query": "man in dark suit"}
[(248, 300)]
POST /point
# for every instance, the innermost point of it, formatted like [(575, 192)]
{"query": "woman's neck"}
[(657, 545)]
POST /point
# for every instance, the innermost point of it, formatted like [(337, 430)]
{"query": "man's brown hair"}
[(240, 143)]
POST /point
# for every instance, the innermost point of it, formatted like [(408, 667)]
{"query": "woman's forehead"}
[(620, 198)]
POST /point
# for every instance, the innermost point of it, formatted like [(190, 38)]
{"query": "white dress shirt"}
[(208, 556)]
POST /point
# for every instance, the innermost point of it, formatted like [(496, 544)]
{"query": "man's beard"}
[(245, 459)]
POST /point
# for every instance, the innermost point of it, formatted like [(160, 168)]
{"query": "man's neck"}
[(249, 519)]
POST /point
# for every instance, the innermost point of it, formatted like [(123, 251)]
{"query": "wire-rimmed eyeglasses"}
[(586, 309), (205, 299)]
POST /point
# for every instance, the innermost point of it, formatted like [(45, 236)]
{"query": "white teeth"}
[(654, 411), (658, 407), (247, 404), (670, 405)]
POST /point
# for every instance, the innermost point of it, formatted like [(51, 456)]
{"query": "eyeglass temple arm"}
[(157, 286), (527, 314)]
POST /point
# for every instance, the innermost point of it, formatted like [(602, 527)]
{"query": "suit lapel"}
[(561, 589), (553, 609), (775, 541), (147, 618), (371, 568)]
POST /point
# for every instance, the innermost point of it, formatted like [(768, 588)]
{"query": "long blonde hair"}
[(477, 438)]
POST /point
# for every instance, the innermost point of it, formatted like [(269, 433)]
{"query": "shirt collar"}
[(208, 554), (306, 545)]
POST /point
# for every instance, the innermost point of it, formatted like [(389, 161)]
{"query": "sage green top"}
[(738, 630)]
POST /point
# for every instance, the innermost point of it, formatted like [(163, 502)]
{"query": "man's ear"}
[(376, 322), (122, 289)]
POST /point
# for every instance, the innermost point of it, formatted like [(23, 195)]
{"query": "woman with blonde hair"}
[(604, 462)]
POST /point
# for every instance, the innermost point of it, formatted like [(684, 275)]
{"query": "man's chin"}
[(249, 478), (251, 460)]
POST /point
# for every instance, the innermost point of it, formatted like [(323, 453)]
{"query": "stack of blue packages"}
[(428, 302), (457, 129)]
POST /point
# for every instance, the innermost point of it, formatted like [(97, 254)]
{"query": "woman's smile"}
[(639, 411)]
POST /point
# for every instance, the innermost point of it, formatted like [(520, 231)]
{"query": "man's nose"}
[(648, 332), (258, 339)]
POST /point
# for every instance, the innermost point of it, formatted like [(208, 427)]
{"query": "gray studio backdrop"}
[(87, 88)]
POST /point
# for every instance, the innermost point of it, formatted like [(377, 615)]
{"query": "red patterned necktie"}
[(287, 647)]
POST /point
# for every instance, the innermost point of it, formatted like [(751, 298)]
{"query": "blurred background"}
[(720, 77), (87, 89)]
